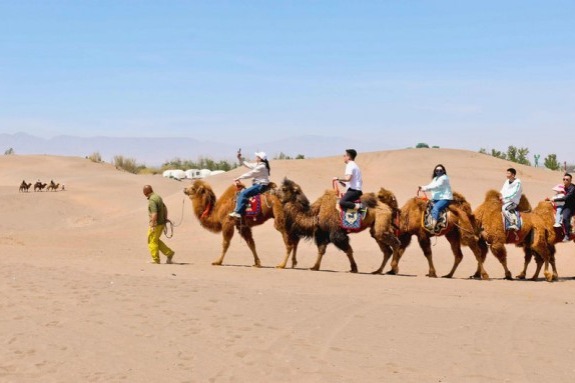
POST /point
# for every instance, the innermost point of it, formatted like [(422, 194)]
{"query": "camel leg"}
[(321, 240), (498, 250), (341, 240), (246, 233), (425, 244), (387, 253), (227, 234), (404, 241), (552, 262), (345, 246), (291, 247), (539, 263), (455, 243), (480, 250), (527, 259)]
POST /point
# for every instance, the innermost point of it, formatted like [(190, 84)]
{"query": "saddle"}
[(254, 207), (351, 219), (441, 225)]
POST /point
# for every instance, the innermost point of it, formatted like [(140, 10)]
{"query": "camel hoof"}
[(280, 266), (485, 277), (474, 276), (447, 276), (216, 263), (293, 265), (430, 275), (392, 272), (353, 271), (508, 277), (548, 277), (376, 272), (315, 268), (257, 265), (555, 277), (520, 276)]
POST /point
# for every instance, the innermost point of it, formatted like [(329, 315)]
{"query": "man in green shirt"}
[(158, 217)]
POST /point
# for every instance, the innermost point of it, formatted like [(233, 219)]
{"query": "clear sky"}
[(453, 73)]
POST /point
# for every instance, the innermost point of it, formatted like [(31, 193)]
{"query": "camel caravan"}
[(40, 186), (491, 226)]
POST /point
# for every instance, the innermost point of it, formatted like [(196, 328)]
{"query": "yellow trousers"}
[(156, 245)]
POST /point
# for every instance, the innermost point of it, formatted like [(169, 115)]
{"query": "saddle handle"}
[(424, 197)]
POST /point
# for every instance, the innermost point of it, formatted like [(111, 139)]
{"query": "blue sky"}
[(459, 74)]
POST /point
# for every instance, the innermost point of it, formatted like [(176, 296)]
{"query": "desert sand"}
[(80, 303)]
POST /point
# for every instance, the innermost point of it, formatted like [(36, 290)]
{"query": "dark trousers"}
[(346, 202), (567, 213)]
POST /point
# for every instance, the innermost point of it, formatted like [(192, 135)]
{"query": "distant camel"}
[(24, 187), (38, 186), (213, 214), (53, 186)]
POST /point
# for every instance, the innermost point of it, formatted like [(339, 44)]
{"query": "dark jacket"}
[(569, 197)]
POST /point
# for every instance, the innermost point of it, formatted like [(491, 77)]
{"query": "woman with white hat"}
[(260, 174)]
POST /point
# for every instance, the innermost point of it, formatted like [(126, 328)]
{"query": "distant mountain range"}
[(155, 151)]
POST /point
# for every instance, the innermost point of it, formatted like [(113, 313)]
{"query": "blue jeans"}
[(245, 194), (438, 206)]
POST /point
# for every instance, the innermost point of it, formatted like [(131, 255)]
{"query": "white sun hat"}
[(261, 155)]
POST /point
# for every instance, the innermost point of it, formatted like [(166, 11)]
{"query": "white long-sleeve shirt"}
[(511, 192), (439, 187), (259, 172)]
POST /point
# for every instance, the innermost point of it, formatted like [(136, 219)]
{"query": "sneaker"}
[(235, 215), (169, 258), (556, 225), (513, 227), (566, 238)]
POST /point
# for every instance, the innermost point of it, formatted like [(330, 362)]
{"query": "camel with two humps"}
[(321, 221), (213, 215), (461, 230), (533, 235)]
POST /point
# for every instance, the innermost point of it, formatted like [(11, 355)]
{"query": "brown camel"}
[(213, 216), (24, 187), (532, 236), (321, 220), (53, 186), (38, 186), (553, 235), (461, 229)]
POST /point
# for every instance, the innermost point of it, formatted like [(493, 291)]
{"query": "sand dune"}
[(80, 303)]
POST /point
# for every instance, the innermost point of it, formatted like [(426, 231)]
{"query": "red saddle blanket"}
[(254, 206)]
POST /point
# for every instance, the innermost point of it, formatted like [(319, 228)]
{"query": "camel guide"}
[(353, 178), (158, 217)]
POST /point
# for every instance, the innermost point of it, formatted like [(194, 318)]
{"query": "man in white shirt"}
[(353, 178), (510, 197)]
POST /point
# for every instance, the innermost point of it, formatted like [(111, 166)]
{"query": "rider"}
[(260, 173), (510, 197), (441, 194), (353, 177), (569, 206)]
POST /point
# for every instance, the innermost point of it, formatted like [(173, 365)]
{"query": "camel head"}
[(289, 191), (201, 190), (387, 197)]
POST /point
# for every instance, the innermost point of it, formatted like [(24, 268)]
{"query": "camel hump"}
[(369, 200), (458, 197)]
